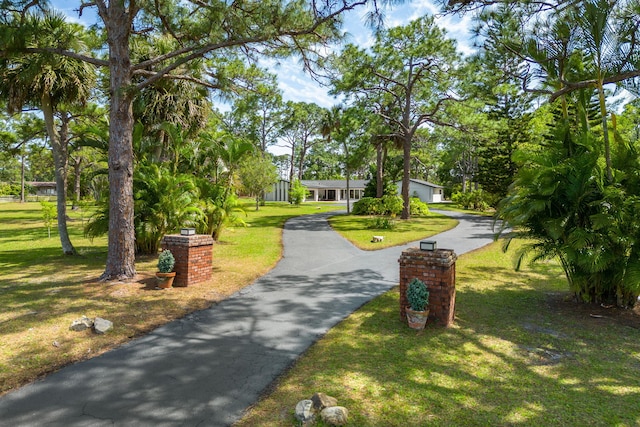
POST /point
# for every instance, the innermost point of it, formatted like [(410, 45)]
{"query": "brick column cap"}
[(189, 241), (444, 257)]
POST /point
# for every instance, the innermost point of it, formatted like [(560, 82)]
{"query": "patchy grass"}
[(43, 291), (520, 353), (356, 229)]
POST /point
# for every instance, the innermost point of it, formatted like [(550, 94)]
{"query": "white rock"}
[(101, 325), (335, 415), (81, 324), (304, 411)]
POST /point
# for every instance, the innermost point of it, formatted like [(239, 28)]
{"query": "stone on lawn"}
[(335, 415), (81, 324), (101, 325), (321, 401), (304, 411)]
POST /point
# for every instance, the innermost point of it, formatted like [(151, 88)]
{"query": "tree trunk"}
[(406, 148), (22, 195), (77, 170), (121, 250), (61, 161), (379, 169)]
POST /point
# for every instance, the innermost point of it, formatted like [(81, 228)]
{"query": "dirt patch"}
[(566, 304)]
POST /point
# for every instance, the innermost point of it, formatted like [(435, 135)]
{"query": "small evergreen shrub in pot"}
[(165, 274), (418, 299)]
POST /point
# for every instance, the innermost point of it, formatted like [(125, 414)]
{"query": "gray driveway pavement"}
[(207, 368)]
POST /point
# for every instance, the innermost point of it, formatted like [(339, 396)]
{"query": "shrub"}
[(417, 295), (418, 207), (298, 193), (477, 200), (381, 223), (166, 261), (367, 206), (392, 205)]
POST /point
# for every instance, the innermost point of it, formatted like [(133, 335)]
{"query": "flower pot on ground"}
[(165, 274), (418, 298)]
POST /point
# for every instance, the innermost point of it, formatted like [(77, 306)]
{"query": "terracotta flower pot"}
[(416, 319), (165, 280)]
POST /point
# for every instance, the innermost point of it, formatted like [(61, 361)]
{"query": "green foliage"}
[(48, 214), (367, 206), (388, 187), (166, 261), (387, 205), (163, 203), (417, 295), (418, 207), (477, 200), (563, 200), (219, 206), (392, 205), (14, 189), (258, 174), (297, 193), (381, 223)]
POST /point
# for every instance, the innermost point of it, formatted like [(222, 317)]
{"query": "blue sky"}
[(295, 84)]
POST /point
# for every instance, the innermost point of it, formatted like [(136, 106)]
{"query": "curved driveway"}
[(207, 368)]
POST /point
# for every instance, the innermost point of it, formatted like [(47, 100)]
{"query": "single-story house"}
[(424, 190), (320, 190), (44, 188)]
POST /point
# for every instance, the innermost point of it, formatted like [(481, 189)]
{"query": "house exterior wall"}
[(425, 192), (280, 192)]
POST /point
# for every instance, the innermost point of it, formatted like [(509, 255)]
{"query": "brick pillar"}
[(437, 269), (194, 257)]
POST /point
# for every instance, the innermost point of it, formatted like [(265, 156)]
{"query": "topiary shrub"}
[(417, 295), (392, 205), (166, 261)]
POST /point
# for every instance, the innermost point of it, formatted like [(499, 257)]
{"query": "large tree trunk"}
[(121, 250), (60, 160), (406, 208)]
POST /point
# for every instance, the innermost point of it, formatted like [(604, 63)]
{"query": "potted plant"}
[(165, 273), (418, 298)]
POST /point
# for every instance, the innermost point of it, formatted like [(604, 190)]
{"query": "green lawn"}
[(518, 354), (357, 229), (43, 291)]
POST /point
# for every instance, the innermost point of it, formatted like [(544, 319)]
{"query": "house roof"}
[(421, 182), (39, 184), (333, 183)]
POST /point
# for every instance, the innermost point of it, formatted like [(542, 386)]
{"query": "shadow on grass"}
[(508, 360)]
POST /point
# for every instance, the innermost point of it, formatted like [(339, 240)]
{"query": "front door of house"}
[(331, 194)]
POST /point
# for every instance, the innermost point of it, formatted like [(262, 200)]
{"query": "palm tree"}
[(51, 84)]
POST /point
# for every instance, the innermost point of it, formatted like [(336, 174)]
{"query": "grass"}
[(356, 229), (519, 353), (43, 291)]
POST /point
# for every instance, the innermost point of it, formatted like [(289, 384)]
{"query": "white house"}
[(320, 190), (425, 191)]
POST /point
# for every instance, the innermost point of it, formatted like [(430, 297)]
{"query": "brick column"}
[(437, 269), (194, 257)]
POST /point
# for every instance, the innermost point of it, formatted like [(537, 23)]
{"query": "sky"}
[(298, 86)]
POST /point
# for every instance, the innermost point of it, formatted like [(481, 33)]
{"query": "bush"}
[(418, 207), (367, 206), (392, 205), (381, 223), (477, 200), (418, 295), (298, 193), (166, 261)]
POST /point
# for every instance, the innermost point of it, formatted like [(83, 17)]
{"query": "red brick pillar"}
[(194, 257), (437, 269)]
